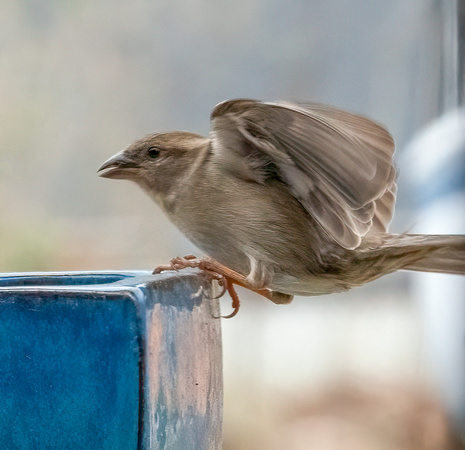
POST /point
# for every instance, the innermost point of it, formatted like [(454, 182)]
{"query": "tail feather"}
[(440, 254)]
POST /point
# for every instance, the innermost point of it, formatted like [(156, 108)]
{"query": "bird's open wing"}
[(337, 164)]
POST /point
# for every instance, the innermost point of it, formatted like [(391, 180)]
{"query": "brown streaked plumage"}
[(296, 199)]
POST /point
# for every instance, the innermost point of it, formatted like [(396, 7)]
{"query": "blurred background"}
[(380, 367)]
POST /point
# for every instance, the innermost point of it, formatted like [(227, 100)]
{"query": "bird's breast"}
[(234, 220)]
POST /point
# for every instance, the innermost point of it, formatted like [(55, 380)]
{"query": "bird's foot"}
[(226, 277), (178, 263)]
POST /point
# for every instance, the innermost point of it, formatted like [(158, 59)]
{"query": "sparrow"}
[(285, 199)]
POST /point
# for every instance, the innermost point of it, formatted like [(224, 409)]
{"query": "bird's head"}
[(156, 162)]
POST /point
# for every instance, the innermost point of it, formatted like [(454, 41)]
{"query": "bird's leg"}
[(225, 276), (232, 276)]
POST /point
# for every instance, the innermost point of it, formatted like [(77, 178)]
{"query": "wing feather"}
[(337, 164)]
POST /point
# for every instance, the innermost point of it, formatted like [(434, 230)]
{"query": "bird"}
[(284, 198)]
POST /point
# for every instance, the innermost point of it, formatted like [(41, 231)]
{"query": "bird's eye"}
[(153, 152)]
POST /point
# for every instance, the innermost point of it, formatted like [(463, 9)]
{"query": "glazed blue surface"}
[(80, 367)]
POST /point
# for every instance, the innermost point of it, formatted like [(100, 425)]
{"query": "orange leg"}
[(225, 276)]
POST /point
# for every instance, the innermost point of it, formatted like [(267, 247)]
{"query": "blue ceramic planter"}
[(123, 360)]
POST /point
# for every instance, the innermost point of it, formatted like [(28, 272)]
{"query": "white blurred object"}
[(438, 150), (437, 163)]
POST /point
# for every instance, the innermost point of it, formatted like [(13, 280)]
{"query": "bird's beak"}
[(118, 166)]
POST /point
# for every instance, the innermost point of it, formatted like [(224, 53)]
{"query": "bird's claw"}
[(178, 263), (191, 261)]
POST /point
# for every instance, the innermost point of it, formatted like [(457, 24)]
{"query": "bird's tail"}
[(430, 253)]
